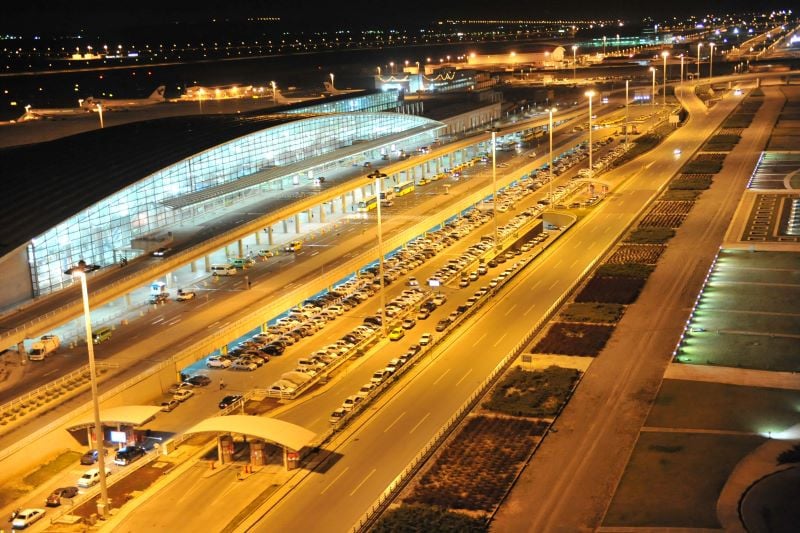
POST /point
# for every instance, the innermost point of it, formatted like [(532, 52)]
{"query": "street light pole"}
[(574, 60), (653, 92), (590, 94), (378, 177), (664, 54), (681, 69), (627, 102), (699, 46), (494, 131), (102, 503), (550, 161), (711, 60)]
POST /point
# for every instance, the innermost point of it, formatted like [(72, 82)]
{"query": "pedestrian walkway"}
[(734, 376)]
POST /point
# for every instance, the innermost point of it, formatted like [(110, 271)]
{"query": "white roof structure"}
[(285, 434), (125, 415)]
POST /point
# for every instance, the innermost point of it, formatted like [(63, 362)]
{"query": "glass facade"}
[(104, 232)]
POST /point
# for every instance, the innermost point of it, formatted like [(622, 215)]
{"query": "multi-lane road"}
[(390, 434)]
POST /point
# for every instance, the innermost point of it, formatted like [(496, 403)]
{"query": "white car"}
[(244, 364), (183, 395), (426, 339), (26, 517), (91, 477), (185, 296), (216, 361)]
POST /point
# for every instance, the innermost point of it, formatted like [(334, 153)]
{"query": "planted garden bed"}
[(592, 312), (693, 182), (629, 270), (476, 468), (662, 221), (650, 235), (422, 518), (576, 339), (539, 393), (647, 254), (610, 290), (702, 166)]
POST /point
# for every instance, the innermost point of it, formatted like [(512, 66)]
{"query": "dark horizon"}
[(59, 17)]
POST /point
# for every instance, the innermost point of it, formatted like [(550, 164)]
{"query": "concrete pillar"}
[(207, 263), (344, 204), (257, 235), (193, 267), (128, 299), (226, 449), (257, 456), (297, 223), (285, 225), (322, 213), (240, 245), (269, 236)]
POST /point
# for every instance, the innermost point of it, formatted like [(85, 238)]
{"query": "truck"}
[(46, 345)]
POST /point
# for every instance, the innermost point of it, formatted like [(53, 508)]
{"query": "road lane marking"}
[(574, 263), (173, 321), (395, 421), (212, 325), (440, 377), (335, 479), (52, 371), (480, 338), (531, 308), (362, 482), (536, 284), (157, 320), (500, 339), (510, 309), (559, 262), (553, 285), (420, 422), (463, 377)]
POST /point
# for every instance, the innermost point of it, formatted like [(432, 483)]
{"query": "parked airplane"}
[(282, 100), (331, 90), (91, 103), (50, 113)]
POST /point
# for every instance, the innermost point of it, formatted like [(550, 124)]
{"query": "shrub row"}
[(539, 393)]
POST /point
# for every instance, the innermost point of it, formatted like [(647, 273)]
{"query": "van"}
[(101, 334), (223, 270), (293, 246)]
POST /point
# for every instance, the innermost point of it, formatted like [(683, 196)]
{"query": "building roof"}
[(126, 415), (46, 183), (273, 430)]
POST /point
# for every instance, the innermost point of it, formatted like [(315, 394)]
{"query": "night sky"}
[(60, 16)]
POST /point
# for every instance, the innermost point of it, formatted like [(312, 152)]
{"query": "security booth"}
[(120, 424)]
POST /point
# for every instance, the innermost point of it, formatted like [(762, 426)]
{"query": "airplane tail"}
[(158, 94), (278, 97), (330, 88)]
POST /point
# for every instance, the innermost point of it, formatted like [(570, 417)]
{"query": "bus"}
[(387, 195), (404, 188), (367, 204)]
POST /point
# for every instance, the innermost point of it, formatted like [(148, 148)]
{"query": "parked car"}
[(229, 400), (176, 387), (350, 402), (244, 364), (379, 376), (423, 314), (54, 499), (183, 395), (426, 339), (27, 517), (337, 415), (169, 405), (128, 454), (366, 389), (397, 334), (216, 361), (409, 323), (91, 477), (199, 380), (90, 457)]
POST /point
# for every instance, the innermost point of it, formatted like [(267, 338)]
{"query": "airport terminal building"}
[(94, 196)]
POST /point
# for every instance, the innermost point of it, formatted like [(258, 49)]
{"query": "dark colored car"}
[(229, 400), (128, 454), (376, 320), (272, 349), (158, 298), (161, 252), (90, 457), (199, 380), (54, 500)]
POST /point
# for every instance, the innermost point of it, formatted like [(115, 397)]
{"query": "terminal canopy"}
[(285, 434), (126, 415)]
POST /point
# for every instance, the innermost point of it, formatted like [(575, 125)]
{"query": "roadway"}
[(387, 438)]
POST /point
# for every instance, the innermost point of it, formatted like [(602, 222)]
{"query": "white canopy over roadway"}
[(276, 431), (125, 415)]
